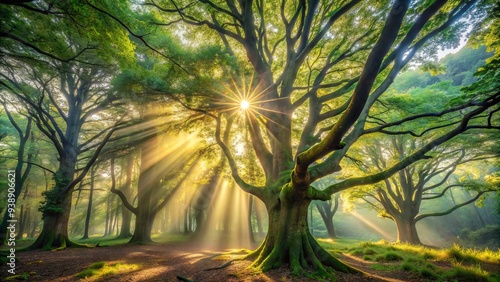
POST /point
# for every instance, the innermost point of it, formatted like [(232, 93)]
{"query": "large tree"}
[(62, 79), (402, 196), (318, 70)]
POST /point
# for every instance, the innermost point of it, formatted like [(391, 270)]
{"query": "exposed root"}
[(51, 242), (304, 256), (184, 279), (328, 260)]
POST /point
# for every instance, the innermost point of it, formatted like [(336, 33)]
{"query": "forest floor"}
[(164, 262)]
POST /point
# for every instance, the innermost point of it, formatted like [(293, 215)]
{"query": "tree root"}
[(50, 242), (304, 256)]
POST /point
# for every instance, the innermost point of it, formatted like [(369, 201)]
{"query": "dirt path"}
[(165, 263)]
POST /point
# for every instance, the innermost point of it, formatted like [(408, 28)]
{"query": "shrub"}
[(427, 273), (370, 252), (389, 256), (357, 252), (407, 266), (486, 237)]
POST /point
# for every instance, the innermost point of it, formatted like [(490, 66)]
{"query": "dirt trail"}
[(165, 263)]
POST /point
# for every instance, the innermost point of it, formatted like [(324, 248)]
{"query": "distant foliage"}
[(454, 70), (486, 237)]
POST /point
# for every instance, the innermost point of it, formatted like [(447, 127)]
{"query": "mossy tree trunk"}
[(289, 241), (407, 231), (57, 208), (55, 228)]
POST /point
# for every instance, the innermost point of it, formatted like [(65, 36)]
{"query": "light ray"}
[(244, 105), (384, 234)]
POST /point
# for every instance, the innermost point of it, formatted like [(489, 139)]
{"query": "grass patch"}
[(389, 256), (97, 265), (102, 241), (102, 269), (456, 253), (369, 251), (367, 257), (338, 244), (384, 267), (420, 260), (468, 273), (356, 252), (86, 273), (428, 273)]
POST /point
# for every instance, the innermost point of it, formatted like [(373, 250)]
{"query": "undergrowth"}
[(430, 264), (103, 269)]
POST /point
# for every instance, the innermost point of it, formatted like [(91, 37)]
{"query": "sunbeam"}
[(384, 234)]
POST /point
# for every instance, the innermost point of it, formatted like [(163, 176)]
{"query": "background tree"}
[(21, 169), (401, 197), (66, 77)]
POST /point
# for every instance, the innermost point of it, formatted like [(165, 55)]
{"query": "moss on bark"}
[(289, 242)]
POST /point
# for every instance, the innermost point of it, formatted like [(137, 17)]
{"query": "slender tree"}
[(327, 210), (154, 175), (21, 170)]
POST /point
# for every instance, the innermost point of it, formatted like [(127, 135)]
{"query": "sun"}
[(244, 104)]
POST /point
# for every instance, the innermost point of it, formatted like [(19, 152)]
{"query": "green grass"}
[(20, 244), (462, 264), (86, 273), (103, 241), (389, 256), (468, 273), (97, 265), (102, 269)]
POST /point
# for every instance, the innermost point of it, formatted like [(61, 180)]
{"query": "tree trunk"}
[(407, 231), (327, 213), (114, 228), (143, 227), (89, 205), (22, 223), (258, 217), (289, 241), (55, 228), (126, 213), (35, 223), (249, 218), (144, 218), (108, 214), (330, 229)]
